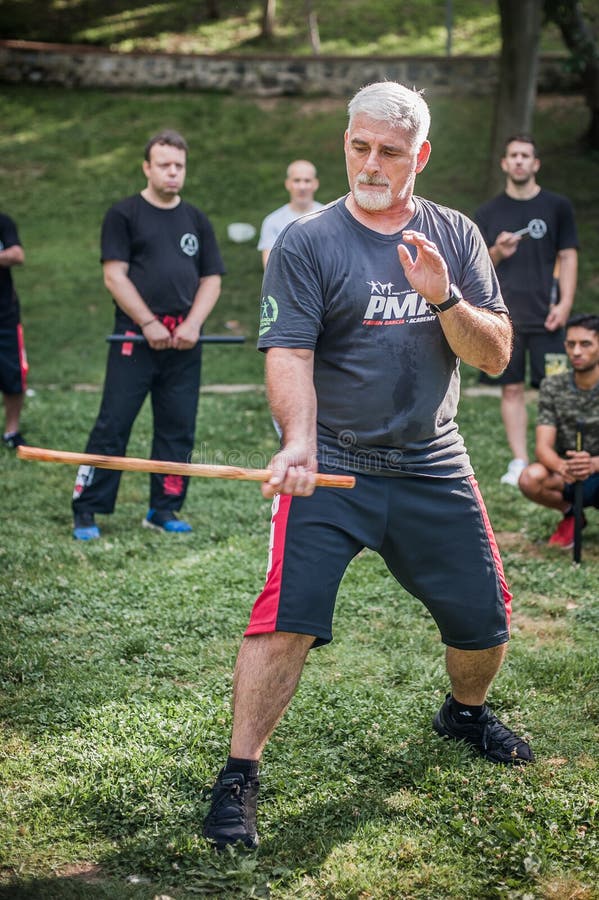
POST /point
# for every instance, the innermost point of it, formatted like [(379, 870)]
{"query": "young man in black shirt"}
[(529, 230)]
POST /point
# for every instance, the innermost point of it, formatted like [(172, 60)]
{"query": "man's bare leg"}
[(267, 672), (515, 419), (13, 405), (543, 487), (464, 715), (472, 671)]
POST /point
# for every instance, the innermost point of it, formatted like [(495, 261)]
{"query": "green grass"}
[(116, 658), (351, 27)]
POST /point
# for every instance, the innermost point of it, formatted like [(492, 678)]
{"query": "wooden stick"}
[(130, 464)]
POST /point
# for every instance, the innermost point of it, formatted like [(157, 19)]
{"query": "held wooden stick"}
[(131, 464)]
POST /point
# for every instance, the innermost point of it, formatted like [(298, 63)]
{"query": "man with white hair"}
[(368, 307)]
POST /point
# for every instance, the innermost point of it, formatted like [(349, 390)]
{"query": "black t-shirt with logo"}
[(168, 251), (9, 302), (386, 379), (526, 277)]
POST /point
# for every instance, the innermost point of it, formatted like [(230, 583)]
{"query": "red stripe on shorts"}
[(264, 614), (23, 364), (507, 595)]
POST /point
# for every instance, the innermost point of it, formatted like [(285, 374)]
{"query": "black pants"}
[(172, 378)]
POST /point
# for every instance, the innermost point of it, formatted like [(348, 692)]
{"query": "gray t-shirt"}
[(386, 379), (276, 221)]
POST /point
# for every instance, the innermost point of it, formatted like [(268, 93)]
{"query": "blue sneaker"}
[(165, 520), (85, 528)]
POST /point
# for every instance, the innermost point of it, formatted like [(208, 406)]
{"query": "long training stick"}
[(130, 464), (578, 499), (204, 339)]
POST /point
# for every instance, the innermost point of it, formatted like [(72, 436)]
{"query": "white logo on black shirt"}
[(385, 308), (537, 228), (189, 244)]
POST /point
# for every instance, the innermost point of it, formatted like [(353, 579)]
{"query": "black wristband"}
[(455, 295)]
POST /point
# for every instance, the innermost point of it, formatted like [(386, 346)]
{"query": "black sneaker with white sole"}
[(13, 440), (488, 736), (232, 816)]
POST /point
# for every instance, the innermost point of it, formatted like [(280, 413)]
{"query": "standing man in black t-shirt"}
[(13, 361), (529, 232), (163, 268)]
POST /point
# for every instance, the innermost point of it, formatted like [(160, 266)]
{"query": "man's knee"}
[(512, 393), (531, 479)]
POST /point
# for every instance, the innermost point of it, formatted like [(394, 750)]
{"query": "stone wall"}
[(81, 66)]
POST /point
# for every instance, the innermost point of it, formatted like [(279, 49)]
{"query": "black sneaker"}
[(488, 736), (14, 440), (232, 815)]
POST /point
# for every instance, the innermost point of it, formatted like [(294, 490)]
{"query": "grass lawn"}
[(116, 657)]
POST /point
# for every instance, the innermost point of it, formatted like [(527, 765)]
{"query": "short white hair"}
[(396, 105)]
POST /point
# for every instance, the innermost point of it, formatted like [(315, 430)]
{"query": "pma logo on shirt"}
[(269, 313), (388, 308), (189, 244)]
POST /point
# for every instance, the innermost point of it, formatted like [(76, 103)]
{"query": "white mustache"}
[(372, 179)]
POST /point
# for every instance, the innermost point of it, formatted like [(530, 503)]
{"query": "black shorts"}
[(13, 360), (433, 534), (590, 491), (546, 356)]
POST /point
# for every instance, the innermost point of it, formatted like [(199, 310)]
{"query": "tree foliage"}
[(578, 37)]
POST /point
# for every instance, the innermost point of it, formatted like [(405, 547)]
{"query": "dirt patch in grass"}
[(88, 872), (515, 541), (542, 629), (566, 889)]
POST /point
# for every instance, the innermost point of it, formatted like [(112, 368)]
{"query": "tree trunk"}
[(268, 19), (313, 28), (517, 78), (212, 10), (580, 41)]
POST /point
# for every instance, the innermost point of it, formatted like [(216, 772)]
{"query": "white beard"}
[(372, 201)]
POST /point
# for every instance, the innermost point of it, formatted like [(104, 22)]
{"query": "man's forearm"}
[(291, 395), (127, 297), (568, 276), (480, 338), (204, 300), (12, 256)]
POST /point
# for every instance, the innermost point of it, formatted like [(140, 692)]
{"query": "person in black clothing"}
[(163, 268), (13, 361), (529, 232)]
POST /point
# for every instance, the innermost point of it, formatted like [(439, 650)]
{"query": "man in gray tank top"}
[(368, 307)]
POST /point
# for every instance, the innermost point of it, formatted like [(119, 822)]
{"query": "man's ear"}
[(423, 156)]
